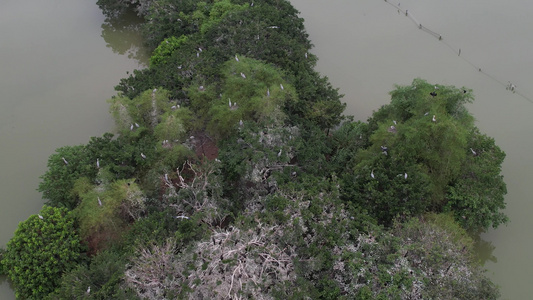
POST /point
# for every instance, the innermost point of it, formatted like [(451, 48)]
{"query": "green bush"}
[(44, 247)]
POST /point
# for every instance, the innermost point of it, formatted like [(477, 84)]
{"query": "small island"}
[(233, 174)]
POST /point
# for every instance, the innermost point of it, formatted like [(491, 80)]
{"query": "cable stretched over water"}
[(508, 86)]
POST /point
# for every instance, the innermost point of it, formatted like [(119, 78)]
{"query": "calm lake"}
[(367, 46), (58, 65)]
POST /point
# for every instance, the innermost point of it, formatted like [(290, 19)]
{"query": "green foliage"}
[(218, 11), (43, 248), (165, 49), (60, 176), (257, 97), (104, 275), (476, 197), (431, 138), (105, 211)]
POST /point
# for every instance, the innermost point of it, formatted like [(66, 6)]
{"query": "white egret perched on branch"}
[(281, 86), (268, 92), (236, 58), (242, 75), (372, 174), (40, 217), (98, 163), (64, 160), (131, 127), (143, 156), (229, 102), (136, 125), (434, 119), (279, 153), (405, 175), (473, 152), (99, 201)]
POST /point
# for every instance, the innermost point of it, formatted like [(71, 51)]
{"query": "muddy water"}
[(367, 46)]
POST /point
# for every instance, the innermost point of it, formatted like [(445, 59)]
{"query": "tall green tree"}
[(44, 247)]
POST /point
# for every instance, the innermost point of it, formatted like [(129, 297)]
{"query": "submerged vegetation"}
[(234, 175)]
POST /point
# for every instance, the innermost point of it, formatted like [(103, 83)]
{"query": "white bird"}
[(155, 90), (281, 86), (242, 75), (305, 54), (252, 5), (131, 127), (40, 217), (279, 153), (241, 123), (99, 201), (236, 58), (268, 92), (200, 49), (98, 163), (179, 67), (166, 178), (473, 152), (64, 160), (405, 175), (181, 217), (136, 125), (197, 54), (394, 122), (88, 290), (173, 107), (426, 114), (434, 119), (436, 87), (272, 27), (372, 174), (229, 102), (143, 156)]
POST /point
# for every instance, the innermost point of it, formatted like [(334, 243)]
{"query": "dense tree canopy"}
[(44, 247), (234, 174)]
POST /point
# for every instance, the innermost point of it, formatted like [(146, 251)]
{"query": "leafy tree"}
[(476, 197), (64, 168), (104, 211), (165, 49), (43, 248)]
